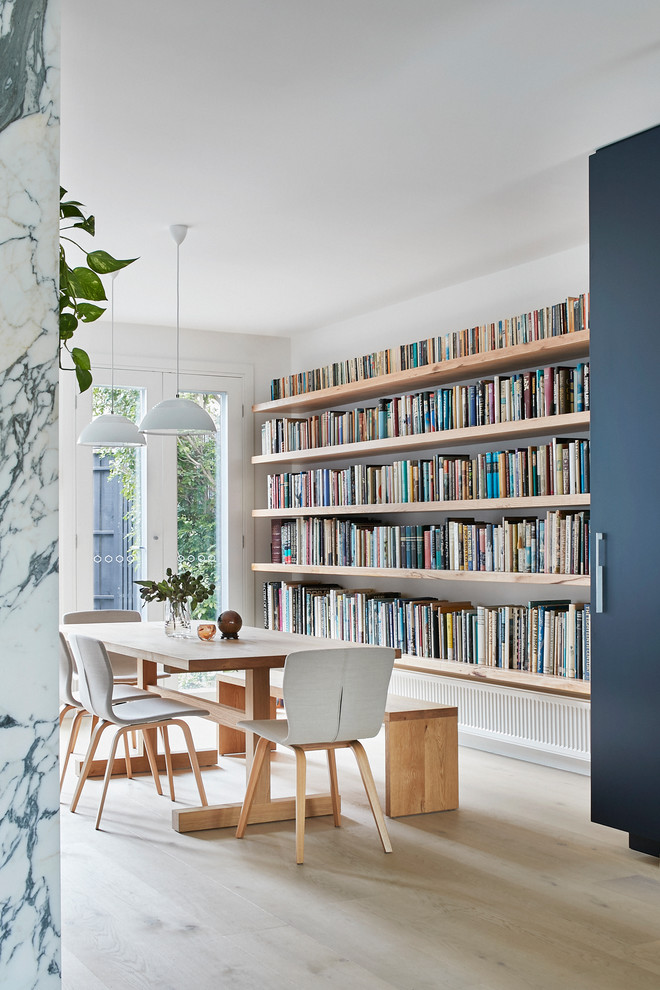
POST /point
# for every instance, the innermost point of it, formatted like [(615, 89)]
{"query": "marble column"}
[(29, 803)]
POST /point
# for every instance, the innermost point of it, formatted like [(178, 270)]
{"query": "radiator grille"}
[(545, 723)]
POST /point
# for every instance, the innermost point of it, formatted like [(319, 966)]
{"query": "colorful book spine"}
[(558, 544), (560, 467), (567, 317), (552, 638), (556, 391)]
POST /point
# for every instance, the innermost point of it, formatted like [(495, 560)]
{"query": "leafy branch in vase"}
[(177, 588)]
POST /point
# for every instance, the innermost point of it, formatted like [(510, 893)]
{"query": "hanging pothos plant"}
[(81, 289)]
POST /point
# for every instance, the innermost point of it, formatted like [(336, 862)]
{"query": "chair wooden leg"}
[(301, 788), (127, 753), (257, 763), (151, 756), (87, 765), (334, 787), (73, 737), (108, 772), (65, 709), (194, 762), (372, 794), (133, 738), (168, 760)]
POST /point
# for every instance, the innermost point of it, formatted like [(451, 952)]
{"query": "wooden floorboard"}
[(515, 890)]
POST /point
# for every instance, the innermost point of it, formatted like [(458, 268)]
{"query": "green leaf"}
[(71, 210), (68, 324), (81, 358), (88, 312), (104, 263), (88, 225), (84, 379), (86, 284)]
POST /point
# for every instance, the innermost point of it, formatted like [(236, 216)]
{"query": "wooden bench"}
[(421, 757), (421, 747)]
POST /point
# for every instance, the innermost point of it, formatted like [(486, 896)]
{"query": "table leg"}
[(264, 808), (257, 705)]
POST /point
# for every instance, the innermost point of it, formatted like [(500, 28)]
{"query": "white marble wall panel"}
[(29, 804)]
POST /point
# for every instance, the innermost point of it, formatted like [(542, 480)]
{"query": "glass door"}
[(118, 507), (178, 502), (201, 495), (210, 521)]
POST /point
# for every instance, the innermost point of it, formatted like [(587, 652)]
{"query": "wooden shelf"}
[(564, 425), (545, 683), (409, 573), (449, 506), (552, 350)]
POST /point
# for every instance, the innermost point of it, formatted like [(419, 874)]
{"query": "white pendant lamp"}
[(177, 417), (111, 429)]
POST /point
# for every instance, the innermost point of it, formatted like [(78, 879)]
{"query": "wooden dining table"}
[(256, 651)]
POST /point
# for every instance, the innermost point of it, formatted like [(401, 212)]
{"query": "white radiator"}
[(540, 728)]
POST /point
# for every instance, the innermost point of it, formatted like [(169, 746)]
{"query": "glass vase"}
[(177, 619)]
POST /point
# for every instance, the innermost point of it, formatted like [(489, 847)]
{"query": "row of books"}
[(558, 544), (560, 467), (549, 321), (542, 637), (502, 399)]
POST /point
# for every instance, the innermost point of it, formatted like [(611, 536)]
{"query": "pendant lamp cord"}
[(177, 320), (112, 343)]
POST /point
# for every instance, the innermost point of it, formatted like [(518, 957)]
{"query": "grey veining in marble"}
[(22, 63), (29, 793), (29, 924)]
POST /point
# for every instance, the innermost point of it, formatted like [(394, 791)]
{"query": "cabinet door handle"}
[(600, 571)]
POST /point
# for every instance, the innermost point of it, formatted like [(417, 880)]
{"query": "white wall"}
[(140, 346), (483, 300)]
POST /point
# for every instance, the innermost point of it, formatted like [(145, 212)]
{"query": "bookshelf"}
[(417, 574), (541, 426), (561, 686), (568, 348), (551, 350), (514, 504)]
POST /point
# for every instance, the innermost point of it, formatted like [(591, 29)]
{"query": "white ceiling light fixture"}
[(178, 417), (111, 429)]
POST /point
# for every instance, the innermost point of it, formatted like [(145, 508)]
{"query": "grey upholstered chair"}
[(96, 686), (332, 698), (123, 668), (71, 702)]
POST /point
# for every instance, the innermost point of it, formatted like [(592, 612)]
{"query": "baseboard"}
[(524, 751)]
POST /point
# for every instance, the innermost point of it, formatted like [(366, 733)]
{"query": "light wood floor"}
[(515, 890)]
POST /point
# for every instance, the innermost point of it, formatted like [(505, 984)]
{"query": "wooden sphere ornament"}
[(229, 623)]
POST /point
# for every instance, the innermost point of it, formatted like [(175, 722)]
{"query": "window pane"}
[(200, 473), (118, 517)]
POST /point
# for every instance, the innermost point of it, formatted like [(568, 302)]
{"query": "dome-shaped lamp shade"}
[(179, 417), (111, 430)]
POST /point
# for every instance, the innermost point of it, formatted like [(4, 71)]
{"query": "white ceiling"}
[(334, 156)]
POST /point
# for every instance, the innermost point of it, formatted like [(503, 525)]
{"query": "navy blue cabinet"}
[(625, 475)]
